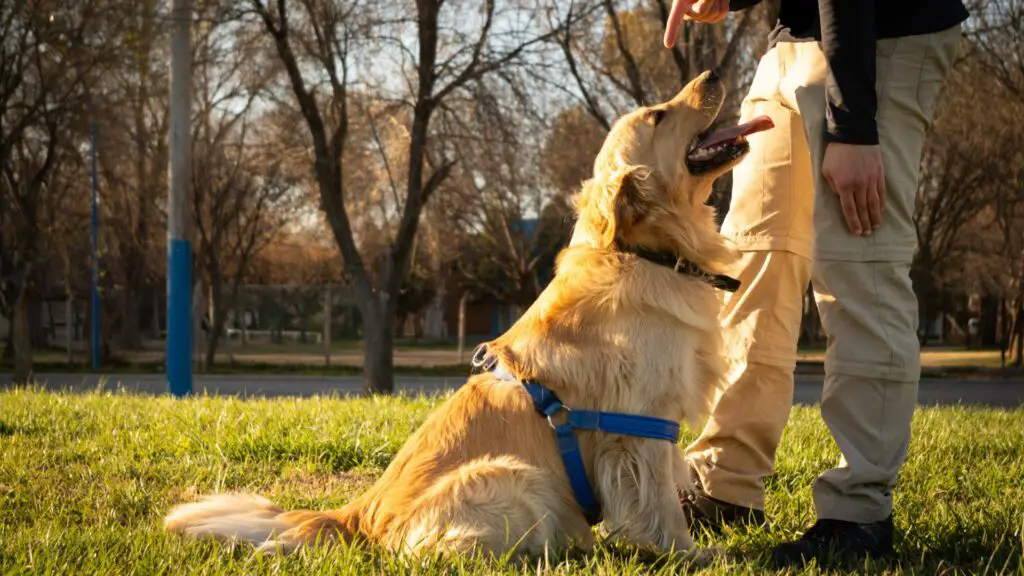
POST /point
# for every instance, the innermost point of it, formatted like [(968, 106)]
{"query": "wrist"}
[(858, 137)]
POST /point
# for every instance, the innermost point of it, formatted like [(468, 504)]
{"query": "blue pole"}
[(179, 249), (96, 344), (179, 317)]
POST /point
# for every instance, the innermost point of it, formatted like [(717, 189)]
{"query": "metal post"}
[(96, 344), (244, 315), (179, 258), (69, 320), (327, 325), (462, 324)]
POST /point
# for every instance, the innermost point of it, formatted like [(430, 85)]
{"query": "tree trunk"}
[(130, 321), (1004, 332), (69, 320), (36, 330), (328, 318), (462, 324), (401, 319), (1019, 332), (218, 318), (922, 321), (8, 355), (378, 357), (131, 297), (243, 320), (435, 324), (810, 323), (198, 313), (157, 335), (22, 339)]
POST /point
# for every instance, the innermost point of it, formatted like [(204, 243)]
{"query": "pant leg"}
[(864, 293), (770, 222)]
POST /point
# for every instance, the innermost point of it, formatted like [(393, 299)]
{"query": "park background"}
[(363, 178), (374, 182)]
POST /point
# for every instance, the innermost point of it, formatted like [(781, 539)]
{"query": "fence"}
[(309, 314)]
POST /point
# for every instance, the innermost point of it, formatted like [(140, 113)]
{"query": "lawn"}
[(85, 480)]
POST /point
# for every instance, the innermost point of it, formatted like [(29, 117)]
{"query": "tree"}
[(969, 209), (444, 60), (128, 103), (240, 195), (513, 219), (960, 179), (632, 69), (40, 93)]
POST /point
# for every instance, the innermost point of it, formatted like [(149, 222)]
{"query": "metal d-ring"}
[(482, 360), (561, 408)]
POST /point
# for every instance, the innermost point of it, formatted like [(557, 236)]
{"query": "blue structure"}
[(179, 317)]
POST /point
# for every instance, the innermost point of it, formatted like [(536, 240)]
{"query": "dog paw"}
[(276, 546)]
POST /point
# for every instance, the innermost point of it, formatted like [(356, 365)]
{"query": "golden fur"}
[(611, 332)]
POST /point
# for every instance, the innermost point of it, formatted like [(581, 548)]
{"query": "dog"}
[(629, 326)]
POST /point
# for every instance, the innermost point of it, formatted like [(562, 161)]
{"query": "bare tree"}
[(991, 141), (962, 176), (616, 63), (129, 106), (443, 60), (40, 94), (238, 191), (512, 219)]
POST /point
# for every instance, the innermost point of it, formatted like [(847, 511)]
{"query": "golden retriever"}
[(614, 331)]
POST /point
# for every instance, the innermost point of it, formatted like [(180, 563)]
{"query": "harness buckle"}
[(553, 411)]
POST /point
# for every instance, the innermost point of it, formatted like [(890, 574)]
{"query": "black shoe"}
[(836, 540), (703, 510)]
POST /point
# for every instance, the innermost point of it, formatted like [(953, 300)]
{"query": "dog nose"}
[(713, 75)]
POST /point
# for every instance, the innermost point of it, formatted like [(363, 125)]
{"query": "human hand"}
[(704, 11), (856, 175)]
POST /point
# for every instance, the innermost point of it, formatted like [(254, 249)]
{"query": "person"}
[(826, 197)]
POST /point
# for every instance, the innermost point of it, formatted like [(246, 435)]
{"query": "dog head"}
[(655, 170)]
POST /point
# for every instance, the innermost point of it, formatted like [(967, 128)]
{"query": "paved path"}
[(994, 392)]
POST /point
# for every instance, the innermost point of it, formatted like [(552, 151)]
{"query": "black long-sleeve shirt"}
[(847, 30)]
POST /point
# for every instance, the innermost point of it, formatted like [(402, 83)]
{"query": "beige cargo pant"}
[(789, 227)]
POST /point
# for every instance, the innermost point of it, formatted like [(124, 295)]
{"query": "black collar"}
[(683, 266)]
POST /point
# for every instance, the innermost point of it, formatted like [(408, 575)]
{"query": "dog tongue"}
[(759, 124)]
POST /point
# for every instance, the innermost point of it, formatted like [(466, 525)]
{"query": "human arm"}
[(853, 160)]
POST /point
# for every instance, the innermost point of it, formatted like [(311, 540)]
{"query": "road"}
[(994, 392)]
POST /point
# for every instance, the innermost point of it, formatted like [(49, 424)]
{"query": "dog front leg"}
[(637, 487)]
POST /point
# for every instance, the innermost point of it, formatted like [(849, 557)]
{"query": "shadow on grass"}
[(963, 551), (965, 546)]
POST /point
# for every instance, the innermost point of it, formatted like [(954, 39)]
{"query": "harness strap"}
[(546, 402), (628, 424)]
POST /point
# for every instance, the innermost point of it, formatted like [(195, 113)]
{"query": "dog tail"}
[(258, 521)]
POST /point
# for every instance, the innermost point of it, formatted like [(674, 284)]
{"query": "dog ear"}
[(629, 195)]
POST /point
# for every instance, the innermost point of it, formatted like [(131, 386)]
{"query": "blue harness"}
[(548, 405)]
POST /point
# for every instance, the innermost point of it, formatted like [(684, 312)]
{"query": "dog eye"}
[(654, 116)]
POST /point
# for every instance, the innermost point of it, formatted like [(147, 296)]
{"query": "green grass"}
[(85, 480)]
